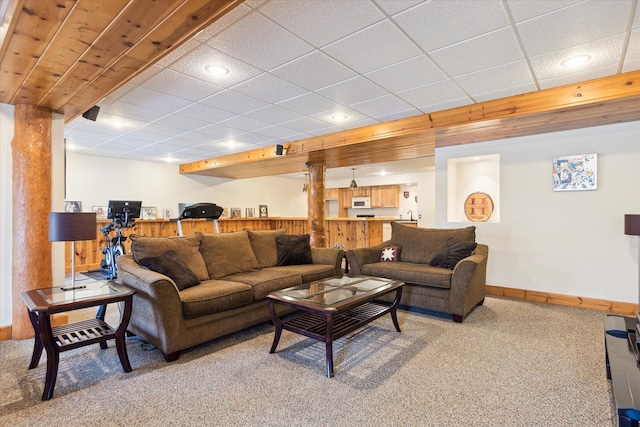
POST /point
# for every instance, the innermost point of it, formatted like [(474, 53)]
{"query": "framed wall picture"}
[(101, 212), (73, 206), (236, 212), (264, 211), (575, 173), (250, 213), (149, 212), (225, 213)]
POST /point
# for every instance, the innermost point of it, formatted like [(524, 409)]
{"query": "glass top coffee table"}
[(332, 308)]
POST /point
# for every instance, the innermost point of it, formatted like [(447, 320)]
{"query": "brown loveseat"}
[(454, 290), (235, 271)]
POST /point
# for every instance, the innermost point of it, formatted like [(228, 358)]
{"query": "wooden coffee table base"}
[(330, 325)]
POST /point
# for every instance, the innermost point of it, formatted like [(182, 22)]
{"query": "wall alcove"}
[(473, 189)]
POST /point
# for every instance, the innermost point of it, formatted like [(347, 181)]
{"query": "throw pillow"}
[(390, 254), (294, 249), (171, 265), (452, 252)]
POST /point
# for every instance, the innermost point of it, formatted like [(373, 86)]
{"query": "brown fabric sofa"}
[(428, 287), (236, 272)]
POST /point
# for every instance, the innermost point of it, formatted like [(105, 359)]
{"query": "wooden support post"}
[(31, 260), (316, 203)]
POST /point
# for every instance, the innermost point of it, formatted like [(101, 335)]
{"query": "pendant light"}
[(353, 184), (306, 182)]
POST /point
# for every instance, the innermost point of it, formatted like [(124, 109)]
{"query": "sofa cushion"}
[(412, 273), (186, 247), (171, 265), (267, 280), (453, 252), (308, 272), (390, 254), (420, 245), (227, 253), (264, 247), (214, 296), (294, 249)]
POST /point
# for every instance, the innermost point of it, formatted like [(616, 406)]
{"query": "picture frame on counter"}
[(263, 211), (236, 213), (250, 213)]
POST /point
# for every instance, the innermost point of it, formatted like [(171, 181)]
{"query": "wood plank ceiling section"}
[(66, 55), (614, 99)]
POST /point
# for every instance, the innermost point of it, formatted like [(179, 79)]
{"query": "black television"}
[(123, 211)]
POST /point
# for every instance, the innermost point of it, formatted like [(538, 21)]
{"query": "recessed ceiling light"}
[(230, 143), (339, 117), (217, 70), (575, 61)]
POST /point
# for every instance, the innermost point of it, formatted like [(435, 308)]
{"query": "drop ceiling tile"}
[(579, 76), (280, 132), (195, 137), (352, 91), (309, 104), (274, 114), (430, 24), (633, 50), (181, 85), (503, 93), (433, 94), (136, 112), (255, 39), (352, 116), (631, 66), (603, 52), (494, 79), (195, 64), (110, 124), (184, 49), (154, 99), (382, 106), (223, 22), (321, 22), (186, 123), (414, 72), (83, 134), (399, 115), (485, 51), (203, 112), (452, 103), (234, 102), (391, 46), (523, 10), (244, 123), (220, 131), (254, 138), (314, 71), (306, 125), (150, 137), (391, 7), (573, 26), (269, 88)]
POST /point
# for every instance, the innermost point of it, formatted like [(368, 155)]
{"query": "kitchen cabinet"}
[(385, 196), (331, 193)]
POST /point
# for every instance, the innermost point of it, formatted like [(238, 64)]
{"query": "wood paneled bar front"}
[(351, 232)]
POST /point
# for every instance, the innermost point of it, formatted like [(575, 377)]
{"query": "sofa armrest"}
[(156, 303), (328, 256), (469, 280), (361, 256)]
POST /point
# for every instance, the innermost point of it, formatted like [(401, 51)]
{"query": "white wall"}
[(570, 243), (95, 180)]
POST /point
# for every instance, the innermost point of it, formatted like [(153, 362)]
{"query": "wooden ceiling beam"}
[(607, 100)]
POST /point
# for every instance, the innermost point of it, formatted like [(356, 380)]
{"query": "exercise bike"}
[(114, 249), (123, 214)]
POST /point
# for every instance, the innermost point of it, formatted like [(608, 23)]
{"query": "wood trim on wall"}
[(624, 308)]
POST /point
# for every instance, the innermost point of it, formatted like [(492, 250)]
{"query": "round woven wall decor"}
[(478, 207)]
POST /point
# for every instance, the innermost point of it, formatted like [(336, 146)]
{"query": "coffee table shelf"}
[(82, 333), (314, 325)]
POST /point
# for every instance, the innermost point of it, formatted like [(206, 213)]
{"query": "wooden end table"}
[(332, 308), (42, 303)]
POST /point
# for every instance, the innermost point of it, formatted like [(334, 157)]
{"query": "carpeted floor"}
[(510, 363)]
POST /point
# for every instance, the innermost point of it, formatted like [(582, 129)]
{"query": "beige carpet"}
[(510, 363)]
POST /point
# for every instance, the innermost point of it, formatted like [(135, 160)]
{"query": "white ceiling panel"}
[(295, 65), (341, 19), (391, 46)]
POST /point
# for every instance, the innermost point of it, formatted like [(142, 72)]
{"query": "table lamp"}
[(69, 227)]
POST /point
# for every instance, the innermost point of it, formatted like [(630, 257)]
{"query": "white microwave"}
[(360, 202)]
